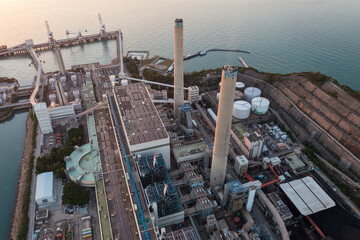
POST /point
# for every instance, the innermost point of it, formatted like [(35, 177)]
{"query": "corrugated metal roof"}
[(307, 196), (44, 185), (140, 117)]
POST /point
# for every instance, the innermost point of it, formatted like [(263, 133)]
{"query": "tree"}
[(60, 173), (73, 194)]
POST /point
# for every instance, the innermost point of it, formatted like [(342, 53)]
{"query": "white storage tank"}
[(250, 93), (51, 80), (238, 96), (124, 82), (73, 77), (112, 78), (63, 79), (241, 109), (260, 105), (240, 86)]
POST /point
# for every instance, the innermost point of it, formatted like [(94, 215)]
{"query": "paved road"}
[(32, 205), (26, 103)]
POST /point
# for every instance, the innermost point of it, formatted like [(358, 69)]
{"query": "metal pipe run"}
[(316, 227)]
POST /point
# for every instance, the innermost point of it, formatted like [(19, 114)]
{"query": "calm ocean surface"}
[(282, 35)]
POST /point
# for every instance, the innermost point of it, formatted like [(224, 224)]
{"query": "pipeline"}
[(248, 177), (130, 171), (316, 227), (274, 181)]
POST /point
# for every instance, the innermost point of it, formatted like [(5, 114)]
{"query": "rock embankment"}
[(25, 164)]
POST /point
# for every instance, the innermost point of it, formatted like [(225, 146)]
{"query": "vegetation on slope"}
[(311, 152)]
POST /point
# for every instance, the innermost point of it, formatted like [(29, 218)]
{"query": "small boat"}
[(202, 53)]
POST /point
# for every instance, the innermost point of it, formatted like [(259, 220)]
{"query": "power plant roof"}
[(307, 196), (141, 120)]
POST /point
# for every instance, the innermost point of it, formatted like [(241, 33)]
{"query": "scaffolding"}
[(164, 194), (235, 195), (152, 169), (182, 234)]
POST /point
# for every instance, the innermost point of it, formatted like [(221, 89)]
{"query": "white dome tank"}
[(124, 82), (241, 109), (240, 86), (260, 105), (250, 93), (238, 95)]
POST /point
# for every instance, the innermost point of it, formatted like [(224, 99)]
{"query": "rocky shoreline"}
[(17, 213)]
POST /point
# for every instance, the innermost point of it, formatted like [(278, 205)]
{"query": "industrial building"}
[(307, 196), (43, 116), (236, 194), (61, 112), (196, 153), (254, 144), (152, 169), (182, 234), (161, 195), (44, 189), (164, 204), (83, 165), (296, 164), (193, 94), (145, 133), (280, 206), (241, 165)]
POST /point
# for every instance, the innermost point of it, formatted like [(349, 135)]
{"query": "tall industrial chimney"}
[(223, 125), (178, 66)]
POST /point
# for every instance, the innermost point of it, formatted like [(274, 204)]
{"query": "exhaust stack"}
[(178, 66), (223, 125)]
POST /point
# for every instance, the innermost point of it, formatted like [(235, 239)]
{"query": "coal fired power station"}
[(178, 66), (223, 125)]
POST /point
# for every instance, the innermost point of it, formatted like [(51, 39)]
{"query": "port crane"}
[(79, 34), (49, 33), (102, 26)]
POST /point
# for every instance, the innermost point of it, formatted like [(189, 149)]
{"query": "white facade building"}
[(43, 117), (193, 94), (44, 188), (241, 164), (61, 112), (254, 144)]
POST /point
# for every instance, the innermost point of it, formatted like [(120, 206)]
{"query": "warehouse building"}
[(145, 133), (44, 189)]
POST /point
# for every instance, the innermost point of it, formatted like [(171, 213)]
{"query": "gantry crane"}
[(102, 26), (49, 33), (79, 34)]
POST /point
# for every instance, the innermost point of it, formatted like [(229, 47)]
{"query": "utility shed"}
[(307, 196), (44, 188)]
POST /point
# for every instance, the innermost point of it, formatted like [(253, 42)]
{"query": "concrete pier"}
[(21, 49)]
